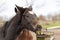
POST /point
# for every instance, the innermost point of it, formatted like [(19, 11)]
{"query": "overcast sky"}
[(43, 7)]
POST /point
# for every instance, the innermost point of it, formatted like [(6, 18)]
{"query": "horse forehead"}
[(31, 12)]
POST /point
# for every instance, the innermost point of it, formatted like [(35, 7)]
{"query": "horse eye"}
[(27, 16), (28, 23), (24, 15)]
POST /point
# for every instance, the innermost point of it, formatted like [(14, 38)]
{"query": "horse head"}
[(28, 20)]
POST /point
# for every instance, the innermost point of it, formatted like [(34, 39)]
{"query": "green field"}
[(51, 24)]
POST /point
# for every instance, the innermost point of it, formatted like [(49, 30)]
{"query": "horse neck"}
[(14, 19)]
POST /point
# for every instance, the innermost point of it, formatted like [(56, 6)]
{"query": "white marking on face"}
[(31, 12)]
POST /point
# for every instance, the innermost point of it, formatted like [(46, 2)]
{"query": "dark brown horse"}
[(22, 24)]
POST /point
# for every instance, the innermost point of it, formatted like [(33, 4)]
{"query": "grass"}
[(51, 24)]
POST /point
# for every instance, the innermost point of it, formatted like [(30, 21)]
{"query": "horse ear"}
[(15, 10), (30, 7), (20, 9)]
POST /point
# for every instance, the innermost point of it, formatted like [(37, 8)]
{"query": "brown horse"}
[(21, 26)]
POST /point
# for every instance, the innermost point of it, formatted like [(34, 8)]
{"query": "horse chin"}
[(26, 35)]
